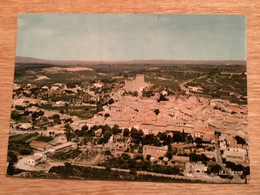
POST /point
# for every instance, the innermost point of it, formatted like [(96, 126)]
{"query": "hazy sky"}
[(131, 36)]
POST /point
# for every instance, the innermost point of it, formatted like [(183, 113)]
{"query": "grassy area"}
[(19, 148), (22, 137), (224, 86), (83, 112), (67, 155), (164, 83), (44, 139)]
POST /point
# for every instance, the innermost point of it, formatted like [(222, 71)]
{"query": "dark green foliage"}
[(238, 167), (136, 135), (10, 168), (139, 164), (216, 168), (126, 132), (150, 139), (25, 152), (195, 158), (67, 155), (71, 171), (111, 101), (156, 111), (115, 129), (162, 98), (44, 139), (240, 140), (107, 115)]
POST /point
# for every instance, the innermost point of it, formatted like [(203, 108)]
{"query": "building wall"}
[(136, 84), (154, 151)]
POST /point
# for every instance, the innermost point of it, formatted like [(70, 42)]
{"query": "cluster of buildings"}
[(44, 148), (185, 113), (232, 151), (200, 117)]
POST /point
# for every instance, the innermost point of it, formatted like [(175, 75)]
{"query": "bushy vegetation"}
[(67, 155), (71, 171), (140, 164), (44, 139)]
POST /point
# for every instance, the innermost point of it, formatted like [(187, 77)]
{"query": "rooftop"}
[(63, 145), (38, 144)]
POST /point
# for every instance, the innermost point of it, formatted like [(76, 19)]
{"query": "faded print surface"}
[(130, 97)]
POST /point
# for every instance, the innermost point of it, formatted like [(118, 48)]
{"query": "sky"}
[(112, 37)]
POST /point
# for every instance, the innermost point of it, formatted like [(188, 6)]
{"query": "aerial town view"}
[(130, 120)]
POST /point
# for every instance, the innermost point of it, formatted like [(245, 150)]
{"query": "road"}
[(182, 85), (218, 154)]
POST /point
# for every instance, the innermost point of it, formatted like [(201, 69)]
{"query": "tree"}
[(162, 98), (99, 106), (125, 156), (77, 132), (13, 158), (214, 168), (25, 152), (107, 115), (148, 157), (68, 120), (157, 142), (136, 135), (107, 152), (198, 141), (108, 167), (10, 168), (169, 152), (148, 139), (135, 93), (66, 107), (160, 158), (156, 111), (177, 137), (169, 155), (126, 132), (84, 128), (68, 132), (15, 115), (162, 136), (111, 101), (132, 171), (115, 129), (55, 116), (240, 140), (90, 133)]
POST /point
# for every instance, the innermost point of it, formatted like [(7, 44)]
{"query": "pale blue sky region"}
[(131, 37)]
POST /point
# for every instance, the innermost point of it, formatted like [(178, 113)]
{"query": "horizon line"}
[(128, 60)]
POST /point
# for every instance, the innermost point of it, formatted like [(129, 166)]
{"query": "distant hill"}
[(27, 60)]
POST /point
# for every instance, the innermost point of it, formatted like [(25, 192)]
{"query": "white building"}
[(195, 89), (235, 156), (25, 125), (195, 167), (36, 159)]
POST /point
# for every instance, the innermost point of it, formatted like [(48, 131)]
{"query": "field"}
[(218, 81)]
